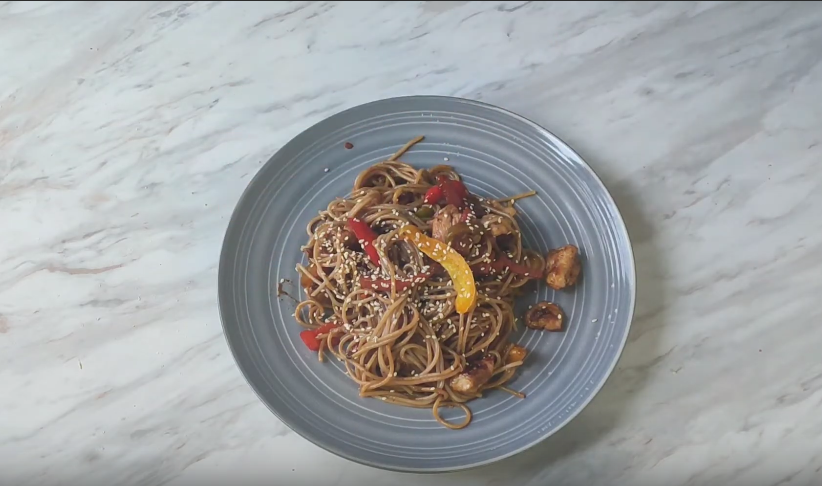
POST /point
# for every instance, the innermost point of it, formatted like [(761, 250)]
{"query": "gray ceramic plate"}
[(498, 153)]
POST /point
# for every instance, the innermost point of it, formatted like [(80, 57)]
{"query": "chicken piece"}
[(444, 219), (475, 375), (516, 353), (546, 316), (497, 225), (562, 267)]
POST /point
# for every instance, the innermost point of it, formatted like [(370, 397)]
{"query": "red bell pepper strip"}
[(309, 337), (454, 191), (433, 195), (384, 284), (462, 191), (310, 340), (450, 192), (366, 236)]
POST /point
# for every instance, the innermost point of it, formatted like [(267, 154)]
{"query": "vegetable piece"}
[(366, 236), (461, 189), (458, 186), (310, 338), (425, 212), (384, 284), (326, 328), (453, 263), (546, 316), (453, 190), (433, 195)]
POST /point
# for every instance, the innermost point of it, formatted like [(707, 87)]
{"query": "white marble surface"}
[(128, 132)]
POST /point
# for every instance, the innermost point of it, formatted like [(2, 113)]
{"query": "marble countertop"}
[(128, 132)]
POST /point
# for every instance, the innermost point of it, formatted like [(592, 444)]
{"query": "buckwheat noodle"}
[(404, 346)]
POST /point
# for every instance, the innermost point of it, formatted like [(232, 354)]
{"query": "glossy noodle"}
[(389, 312)]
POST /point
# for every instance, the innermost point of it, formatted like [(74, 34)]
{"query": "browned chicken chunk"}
[(516, 353), (562, 267), (476, 375), (443, 220), (545, 315)]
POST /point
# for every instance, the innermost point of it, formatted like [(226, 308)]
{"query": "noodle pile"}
[(403, 346)]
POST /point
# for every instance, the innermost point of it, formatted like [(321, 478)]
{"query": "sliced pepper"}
[(309, 337), (454, 264), (366, 236), (425, 212), (310, 340), (462, 191), (453, 190), (433, 195)]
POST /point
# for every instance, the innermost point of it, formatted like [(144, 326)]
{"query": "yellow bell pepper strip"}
[(454, 264)]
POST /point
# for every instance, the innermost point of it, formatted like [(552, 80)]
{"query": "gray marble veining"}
[(128, 132)]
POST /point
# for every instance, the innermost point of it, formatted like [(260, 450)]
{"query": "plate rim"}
[(620, 226)]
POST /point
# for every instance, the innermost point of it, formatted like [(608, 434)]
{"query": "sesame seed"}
[(325, 170)]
